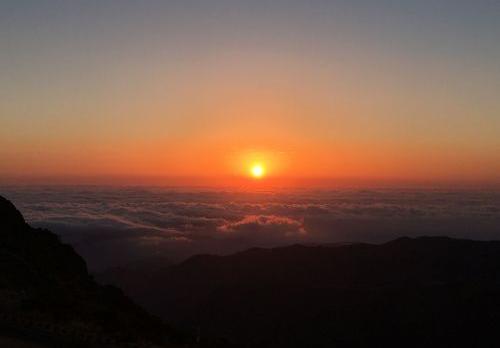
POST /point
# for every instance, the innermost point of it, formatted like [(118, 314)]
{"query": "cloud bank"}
[(111, 226)]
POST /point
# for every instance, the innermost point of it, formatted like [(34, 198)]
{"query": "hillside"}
[(432, 292), (48, 297)]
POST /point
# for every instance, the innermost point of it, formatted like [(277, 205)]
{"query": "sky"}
[(394, 91)]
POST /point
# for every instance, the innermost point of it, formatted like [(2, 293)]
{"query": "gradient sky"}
[(394, 90)]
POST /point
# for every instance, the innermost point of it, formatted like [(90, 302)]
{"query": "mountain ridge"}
[(413, 292)]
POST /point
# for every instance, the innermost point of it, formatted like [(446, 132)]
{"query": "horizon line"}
[(246, 182)]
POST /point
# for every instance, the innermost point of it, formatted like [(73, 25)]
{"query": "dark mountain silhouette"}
[(423, 292), (133, 277), (47, 296)]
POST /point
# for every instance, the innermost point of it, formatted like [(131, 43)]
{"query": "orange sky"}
[(174, 93)]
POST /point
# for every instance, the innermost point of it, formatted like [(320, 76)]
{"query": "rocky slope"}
[(48, 297)]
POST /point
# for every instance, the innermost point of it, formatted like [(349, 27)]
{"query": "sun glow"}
[(257, 171)]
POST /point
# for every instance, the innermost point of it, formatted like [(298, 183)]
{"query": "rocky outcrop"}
[(47, 295)]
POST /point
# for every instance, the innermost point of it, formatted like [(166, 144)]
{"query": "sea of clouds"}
[(112, 226)]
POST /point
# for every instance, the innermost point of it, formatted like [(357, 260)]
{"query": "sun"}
[(258, 171)]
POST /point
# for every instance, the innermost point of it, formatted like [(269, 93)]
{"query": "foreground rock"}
[(48, 297)]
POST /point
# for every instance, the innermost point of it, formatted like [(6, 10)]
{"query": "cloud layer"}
[(113, 226)]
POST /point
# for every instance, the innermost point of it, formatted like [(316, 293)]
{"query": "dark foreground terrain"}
[(47, 297), (423, 292)]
